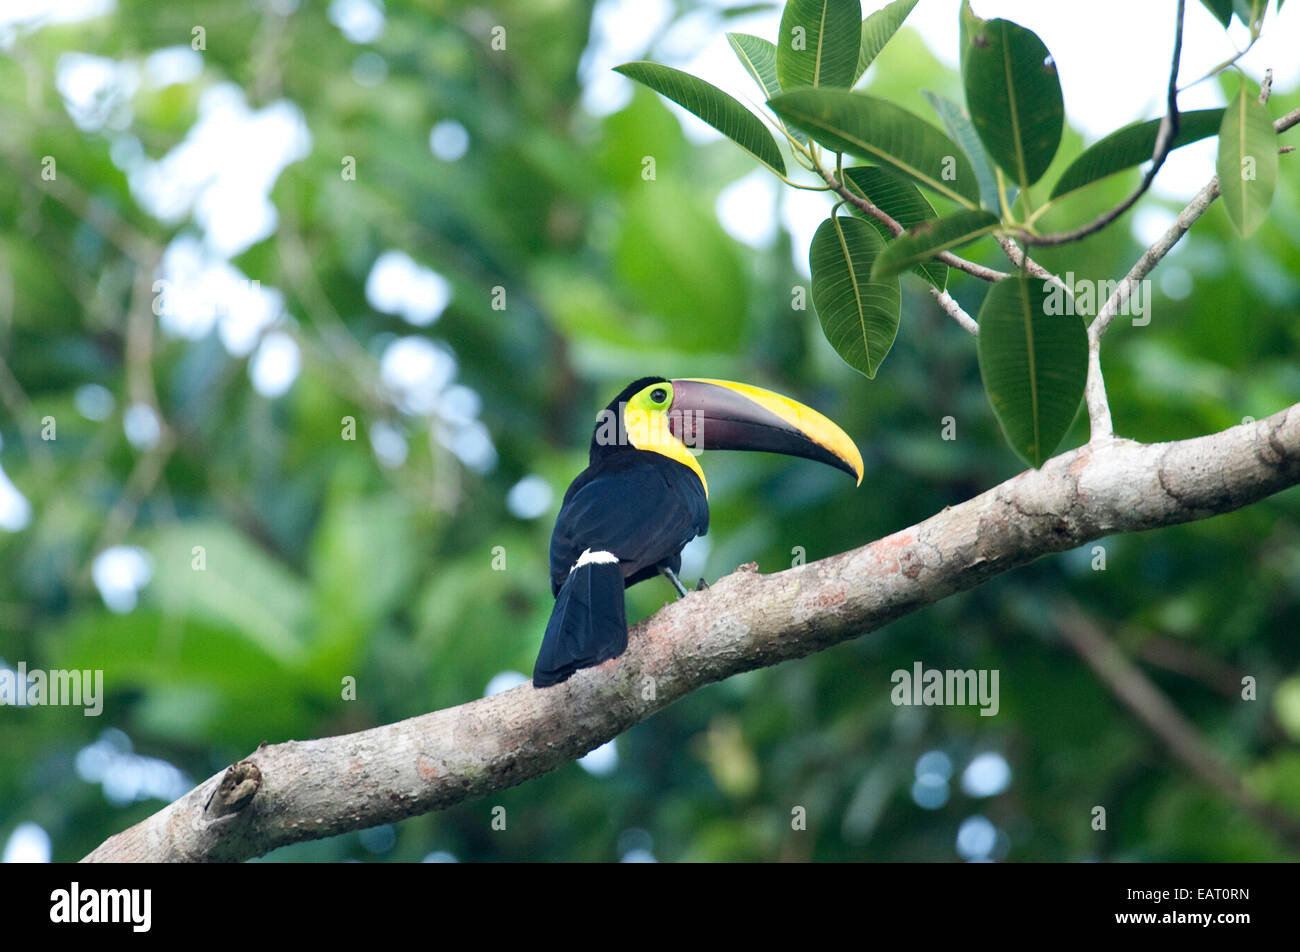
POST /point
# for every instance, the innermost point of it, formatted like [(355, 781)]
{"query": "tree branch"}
[(1027, 264), (302, 790), (1149, 704), (956, 311), (1100, 424)]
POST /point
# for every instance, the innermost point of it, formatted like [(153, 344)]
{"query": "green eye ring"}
[(654, 398)]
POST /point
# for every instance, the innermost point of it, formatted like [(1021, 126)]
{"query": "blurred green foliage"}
[(323, 563)]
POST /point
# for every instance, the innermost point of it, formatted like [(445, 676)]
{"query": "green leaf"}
[(758, 56), (1132, 146), (713, 106), (1247, 165), (885, 133), (152, 647), (354, 591), (240, 587), (957, 121), (1033, 358), (1014, 97), (745, 10), (818, 45), (859, 316), (903, 202), (968, 24), (929, 238), (1222, 10), (226, 686), (877, 30), (1251, 13), (674, 262)]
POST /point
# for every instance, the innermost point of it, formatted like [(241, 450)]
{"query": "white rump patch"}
[(599, 558)]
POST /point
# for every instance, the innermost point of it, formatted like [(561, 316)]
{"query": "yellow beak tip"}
[(815, 426)]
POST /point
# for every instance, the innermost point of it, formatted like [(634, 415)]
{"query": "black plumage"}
[(642, 508)]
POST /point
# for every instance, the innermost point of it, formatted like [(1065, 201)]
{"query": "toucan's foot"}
[(672, 577), (702, 585)]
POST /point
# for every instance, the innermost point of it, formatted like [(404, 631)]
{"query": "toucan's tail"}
[(588, 624)]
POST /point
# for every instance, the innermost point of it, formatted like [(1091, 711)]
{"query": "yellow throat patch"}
[(645, 418)]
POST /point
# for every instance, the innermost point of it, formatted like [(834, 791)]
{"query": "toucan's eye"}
[(658, 395)]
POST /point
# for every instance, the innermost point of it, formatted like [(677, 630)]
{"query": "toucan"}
[(643, 496)]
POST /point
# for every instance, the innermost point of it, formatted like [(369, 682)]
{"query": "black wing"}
[(642, 507)]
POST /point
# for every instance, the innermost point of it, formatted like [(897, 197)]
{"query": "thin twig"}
[(1182, 657), (148, 469), (1197, 207), (15, 400), (1153, 255), (1027, 264), (955, 311), (128, 239), (1215, 71), (863, 204), (1099, 417), (1136, 692)]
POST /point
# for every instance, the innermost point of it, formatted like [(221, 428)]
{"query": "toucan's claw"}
[(702, 585), (672, 577)]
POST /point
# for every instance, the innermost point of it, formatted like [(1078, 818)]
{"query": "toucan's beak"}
[(721, 415)]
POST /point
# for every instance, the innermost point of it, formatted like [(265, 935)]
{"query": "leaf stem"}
[(865, 205)]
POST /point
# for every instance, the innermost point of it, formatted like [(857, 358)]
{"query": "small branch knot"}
[(239, 785)]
